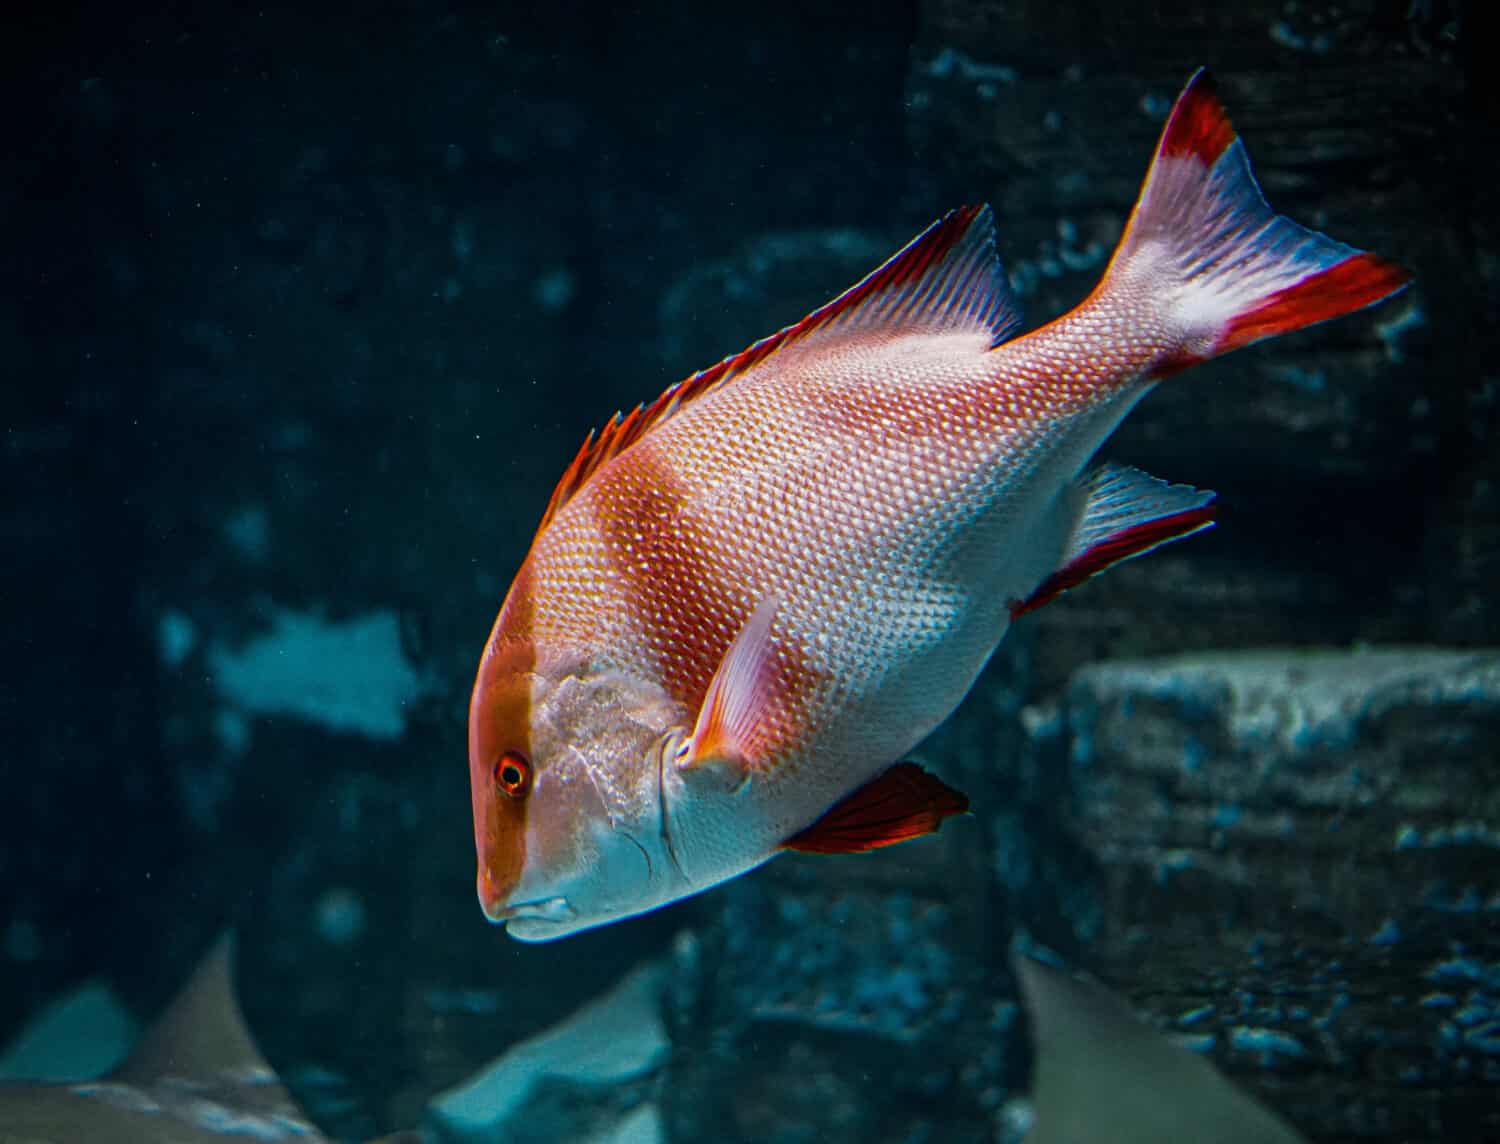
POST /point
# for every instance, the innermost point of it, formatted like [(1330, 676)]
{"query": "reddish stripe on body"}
[(675, 568), (674, 590)]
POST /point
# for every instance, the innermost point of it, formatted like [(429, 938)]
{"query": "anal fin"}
[(903, 803), (1125, 513)]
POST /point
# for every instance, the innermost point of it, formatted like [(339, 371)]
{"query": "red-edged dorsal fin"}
[(903, 803), (946, 280), (1125, 513)]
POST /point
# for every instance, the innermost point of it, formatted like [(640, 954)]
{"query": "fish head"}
[(565, 775)]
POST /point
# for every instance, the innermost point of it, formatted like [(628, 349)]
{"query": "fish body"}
[(749, 600)]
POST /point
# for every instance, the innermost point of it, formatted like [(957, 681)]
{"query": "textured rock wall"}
[(1300, 871)]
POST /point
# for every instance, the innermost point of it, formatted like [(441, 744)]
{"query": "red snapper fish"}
[(748, 600)]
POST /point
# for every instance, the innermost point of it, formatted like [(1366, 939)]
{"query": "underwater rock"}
[(841, 999), (580, 1079), (80, 1035), (643, 1126), (1288, 845), (1371, 767)]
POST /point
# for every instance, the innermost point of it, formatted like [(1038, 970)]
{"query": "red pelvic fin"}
[(1125, 513), (903, 803)]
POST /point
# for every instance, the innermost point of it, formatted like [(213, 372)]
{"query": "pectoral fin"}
[(741, 691), (903, 803)]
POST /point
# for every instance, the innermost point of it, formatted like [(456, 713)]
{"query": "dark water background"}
[(302, 312)]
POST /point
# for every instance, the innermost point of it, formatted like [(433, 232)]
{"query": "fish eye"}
[(513, 774)]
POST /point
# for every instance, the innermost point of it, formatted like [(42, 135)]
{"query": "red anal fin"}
[(1125, 513), (1131, 542), (903, 803)]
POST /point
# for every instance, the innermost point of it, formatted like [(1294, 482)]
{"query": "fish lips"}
[(634, 889), (555, 909)]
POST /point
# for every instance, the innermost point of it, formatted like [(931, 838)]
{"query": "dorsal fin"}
[(946, 280)]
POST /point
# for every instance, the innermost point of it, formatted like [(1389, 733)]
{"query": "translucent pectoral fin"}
[(723, 739), (903, 803)]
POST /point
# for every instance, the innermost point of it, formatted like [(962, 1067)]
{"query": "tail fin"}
[(1232, 270)]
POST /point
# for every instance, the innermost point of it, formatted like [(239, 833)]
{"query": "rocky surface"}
[(307, 312), (587, 1076), (1300, 868)]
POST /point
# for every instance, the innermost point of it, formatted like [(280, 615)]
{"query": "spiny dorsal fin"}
[(946, 280)]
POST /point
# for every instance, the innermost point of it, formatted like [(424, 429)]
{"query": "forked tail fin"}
[(1203, 241)]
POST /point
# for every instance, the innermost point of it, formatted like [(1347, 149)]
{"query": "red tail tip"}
[(1198, 125), (1347, 286)]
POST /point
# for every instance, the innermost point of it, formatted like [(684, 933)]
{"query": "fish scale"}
[(749, 599)]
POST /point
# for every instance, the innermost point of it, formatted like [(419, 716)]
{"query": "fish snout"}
[(492, 895), (494, 900)]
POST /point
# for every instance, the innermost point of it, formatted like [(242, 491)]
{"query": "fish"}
[(1102, 1076), (196, 1077), (747, 601)]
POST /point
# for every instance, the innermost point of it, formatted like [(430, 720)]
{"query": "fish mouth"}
[(541, 909)]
